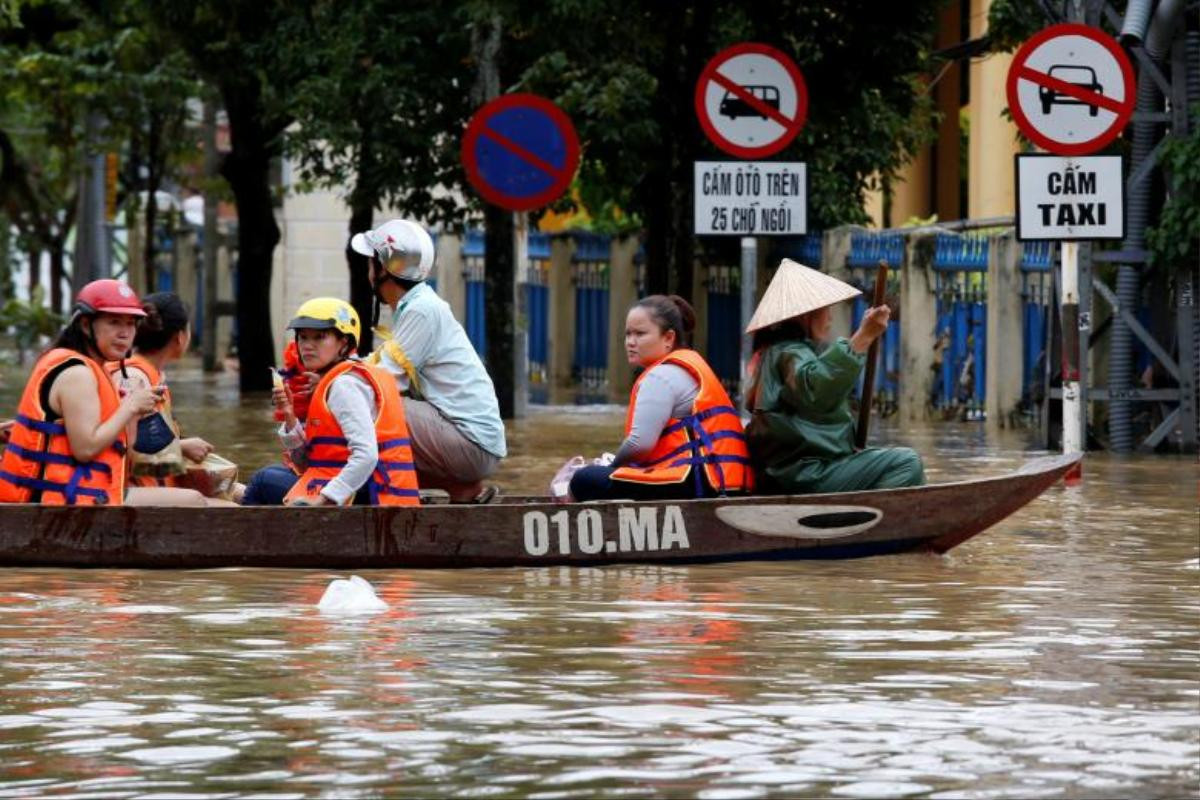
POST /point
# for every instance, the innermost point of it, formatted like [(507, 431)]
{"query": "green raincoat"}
[(801, 432)]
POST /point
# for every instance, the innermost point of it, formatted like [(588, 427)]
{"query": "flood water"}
[(1056, 655)]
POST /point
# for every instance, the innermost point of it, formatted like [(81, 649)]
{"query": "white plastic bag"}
[(354, 596), (560, 485)]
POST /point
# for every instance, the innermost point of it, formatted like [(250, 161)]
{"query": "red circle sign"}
[(520, 151), (1071, 89), (751, 100)]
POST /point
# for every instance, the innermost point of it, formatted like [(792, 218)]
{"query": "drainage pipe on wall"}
[(1145, 135)]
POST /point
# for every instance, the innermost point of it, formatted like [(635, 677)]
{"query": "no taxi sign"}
[(1071, 89)]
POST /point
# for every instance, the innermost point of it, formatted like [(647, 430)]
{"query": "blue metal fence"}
[(868, 248), (887, 375), (473, 275), (724, 324), (960, 263), (805, 249), (590, 274), (1037, 263)]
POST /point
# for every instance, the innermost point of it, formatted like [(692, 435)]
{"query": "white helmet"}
[(402, 246)]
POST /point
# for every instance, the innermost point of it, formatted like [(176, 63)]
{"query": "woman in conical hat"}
[(801, 431)]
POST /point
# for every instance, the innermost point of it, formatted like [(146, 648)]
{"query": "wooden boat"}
[(524, 531)]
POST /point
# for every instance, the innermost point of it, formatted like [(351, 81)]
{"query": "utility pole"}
[(91, 243), (209, 337), (500, 276)]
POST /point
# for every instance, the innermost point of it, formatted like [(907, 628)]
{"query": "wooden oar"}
[(864, 408)]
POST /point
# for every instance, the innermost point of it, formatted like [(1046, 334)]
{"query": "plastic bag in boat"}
[(560, 486), (213, 477)]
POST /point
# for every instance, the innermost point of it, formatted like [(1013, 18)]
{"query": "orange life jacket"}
[(38, 456), (710, 436), (163, 407), (394, 481)]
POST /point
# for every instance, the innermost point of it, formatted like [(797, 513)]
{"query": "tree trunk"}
[(670, 242), (35, 269), (57, 275), (500, 323), (363, 200), (247, 168), (153, 178)]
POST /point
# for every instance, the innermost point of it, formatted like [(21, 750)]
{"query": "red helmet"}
[(110, 296)]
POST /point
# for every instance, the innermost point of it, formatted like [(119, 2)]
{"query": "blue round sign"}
[(520, 151)]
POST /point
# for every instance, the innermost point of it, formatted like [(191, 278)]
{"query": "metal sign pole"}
[(748, 291), (1072, 403)]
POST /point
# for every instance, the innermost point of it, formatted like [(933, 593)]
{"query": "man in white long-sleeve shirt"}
[(450, 402)]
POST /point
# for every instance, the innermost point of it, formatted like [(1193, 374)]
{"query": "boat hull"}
[(524, 531)]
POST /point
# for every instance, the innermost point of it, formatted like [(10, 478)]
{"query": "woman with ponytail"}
[(683, 437), (162, 337)]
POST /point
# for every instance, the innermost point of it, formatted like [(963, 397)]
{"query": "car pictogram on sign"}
[(1071, 89), (1081, 76)]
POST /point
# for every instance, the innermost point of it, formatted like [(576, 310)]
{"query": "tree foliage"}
[(1175, 239), (627, 75)]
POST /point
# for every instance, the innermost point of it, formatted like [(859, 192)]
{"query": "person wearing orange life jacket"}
[(354, 445), (68, 443), (162, 337), (683, 437)]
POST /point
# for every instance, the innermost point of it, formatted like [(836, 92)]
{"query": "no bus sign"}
[(1061, 198), (1071, 89), (751, 100)]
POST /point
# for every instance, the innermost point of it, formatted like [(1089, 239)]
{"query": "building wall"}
[(932, 183)]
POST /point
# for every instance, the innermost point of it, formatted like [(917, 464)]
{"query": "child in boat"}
[(683, 437), (354, 445), (162, 337), (68, 443), (801, 429)]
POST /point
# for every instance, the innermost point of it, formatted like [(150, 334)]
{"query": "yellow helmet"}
[(328, 312)]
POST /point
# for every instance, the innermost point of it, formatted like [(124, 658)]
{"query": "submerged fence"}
[(953, 333)]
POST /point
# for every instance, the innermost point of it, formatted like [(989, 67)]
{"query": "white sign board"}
[(751, 198), (1068, 198)]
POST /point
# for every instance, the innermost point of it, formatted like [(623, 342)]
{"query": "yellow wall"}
[(993, 138), (930, 183)]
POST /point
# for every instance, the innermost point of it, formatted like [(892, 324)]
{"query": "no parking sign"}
[(520, 151)]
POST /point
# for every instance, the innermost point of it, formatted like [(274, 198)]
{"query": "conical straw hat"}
[(795, 290)]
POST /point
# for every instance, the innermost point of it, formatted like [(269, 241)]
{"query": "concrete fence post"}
[(1002, 393), (919, 334), (451, 285), (835, 251), (561, 309), (622, 292)]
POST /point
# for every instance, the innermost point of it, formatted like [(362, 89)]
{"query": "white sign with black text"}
[(751, 198), (1064, 198)]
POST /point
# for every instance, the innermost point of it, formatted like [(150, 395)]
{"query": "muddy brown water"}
[(1055, 655)]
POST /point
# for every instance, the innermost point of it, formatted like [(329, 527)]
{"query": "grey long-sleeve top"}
[(668, 391)]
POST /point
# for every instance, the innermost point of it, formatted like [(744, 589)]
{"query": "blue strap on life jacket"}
[(690, 419), (41, 426), (42, 485), (57, 458)]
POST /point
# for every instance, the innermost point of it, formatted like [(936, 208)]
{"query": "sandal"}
[(487, 495)]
